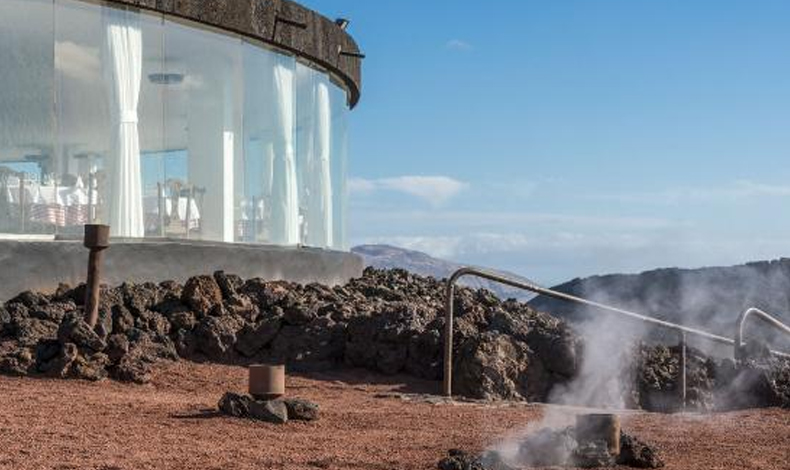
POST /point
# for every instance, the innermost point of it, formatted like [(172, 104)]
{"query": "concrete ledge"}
[(41, 265)]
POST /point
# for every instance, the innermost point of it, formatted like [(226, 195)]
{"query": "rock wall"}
[(386, 321)]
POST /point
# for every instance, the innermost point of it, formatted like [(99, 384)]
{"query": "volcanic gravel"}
[(365, 424)]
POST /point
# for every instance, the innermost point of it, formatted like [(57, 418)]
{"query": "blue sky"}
[(562, 138)]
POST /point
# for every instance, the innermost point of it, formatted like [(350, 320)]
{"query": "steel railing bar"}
[(481, 273)]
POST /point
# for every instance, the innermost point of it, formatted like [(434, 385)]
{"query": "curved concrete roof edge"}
[(281, 23)]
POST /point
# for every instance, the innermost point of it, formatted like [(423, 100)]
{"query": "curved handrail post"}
[(447, 378), (741, 325), (447, 384)]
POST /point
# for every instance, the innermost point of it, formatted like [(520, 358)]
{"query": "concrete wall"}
[(41, 265)]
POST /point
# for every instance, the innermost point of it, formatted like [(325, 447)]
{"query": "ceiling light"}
[(166, 78)]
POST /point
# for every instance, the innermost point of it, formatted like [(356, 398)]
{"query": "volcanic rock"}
[(133, 369), (593, 455), (75, 330), (252, 339), (635, 453), (47, 349), (122, 319), (460, 460), (29, 331), (117, 347), (756, 384), (59, 365), (657, 379), (227, 284), (316, 346), (492, 366), (233, 404), (93, 367), (245, 406), (178, 314), (271, 411), (301, 410), (201, 294), (30, 299), (139, 297), (54, 312), (216, 336), (18, 363)]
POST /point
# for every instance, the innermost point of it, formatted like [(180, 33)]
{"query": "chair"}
[(174, 224)]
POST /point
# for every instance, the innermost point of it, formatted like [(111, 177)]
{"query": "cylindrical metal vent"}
[(267, 382), (599, 427)]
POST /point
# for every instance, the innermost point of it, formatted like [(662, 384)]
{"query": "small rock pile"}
[(278, 411), (558, 448), (759, 380)]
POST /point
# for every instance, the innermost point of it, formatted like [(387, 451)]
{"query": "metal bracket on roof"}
[(288, 21), (356, 55)]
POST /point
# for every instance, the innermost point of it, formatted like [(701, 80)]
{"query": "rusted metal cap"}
[(97, 236), (267, 381)]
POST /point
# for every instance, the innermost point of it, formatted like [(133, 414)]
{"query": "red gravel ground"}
[(365, 425)]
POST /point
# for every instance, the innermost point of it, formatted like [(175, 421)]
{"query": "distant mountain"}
[(390, 257), (709, 298)]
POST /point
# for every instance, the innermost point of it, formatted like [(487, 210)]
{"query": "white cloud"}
[(737, 191), (361, 185), (458, 45), (496, 221), (76, 61), (751, 188), (551, 258), (480, 245), (436, 190)]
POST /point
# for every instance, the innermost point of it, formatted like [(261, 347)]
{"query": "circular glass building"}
[(215, 121)]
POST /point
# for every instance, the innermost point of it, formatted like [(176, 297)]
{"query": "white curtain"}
[(123, 70), (285, 196), (319, 225)]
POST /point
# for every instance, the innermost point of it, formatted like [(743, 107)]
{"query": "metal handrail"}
[(449, 307), (768, 319)]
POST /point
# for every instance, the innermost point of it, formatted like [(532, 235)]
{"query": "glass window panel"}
[(270, 207), (82, 112), (26, 114), (156, 161), (203, 120), (314, 150), (88, 117), (339, 160)]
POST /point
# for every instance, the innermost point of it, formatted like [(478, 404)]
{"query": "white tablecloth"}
[(151, 205), (50, 204)]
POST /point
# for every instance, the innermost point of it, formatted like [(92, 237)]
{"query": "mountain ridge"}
[(710, 298), (384, 256)]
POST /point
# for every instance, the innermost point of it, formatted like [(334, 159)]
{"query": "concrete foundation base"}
[(42, 265)]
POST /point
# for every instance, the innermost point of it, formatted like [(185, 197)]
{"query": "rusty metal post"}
[(447, 382), (97, 239), (682, 371)]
